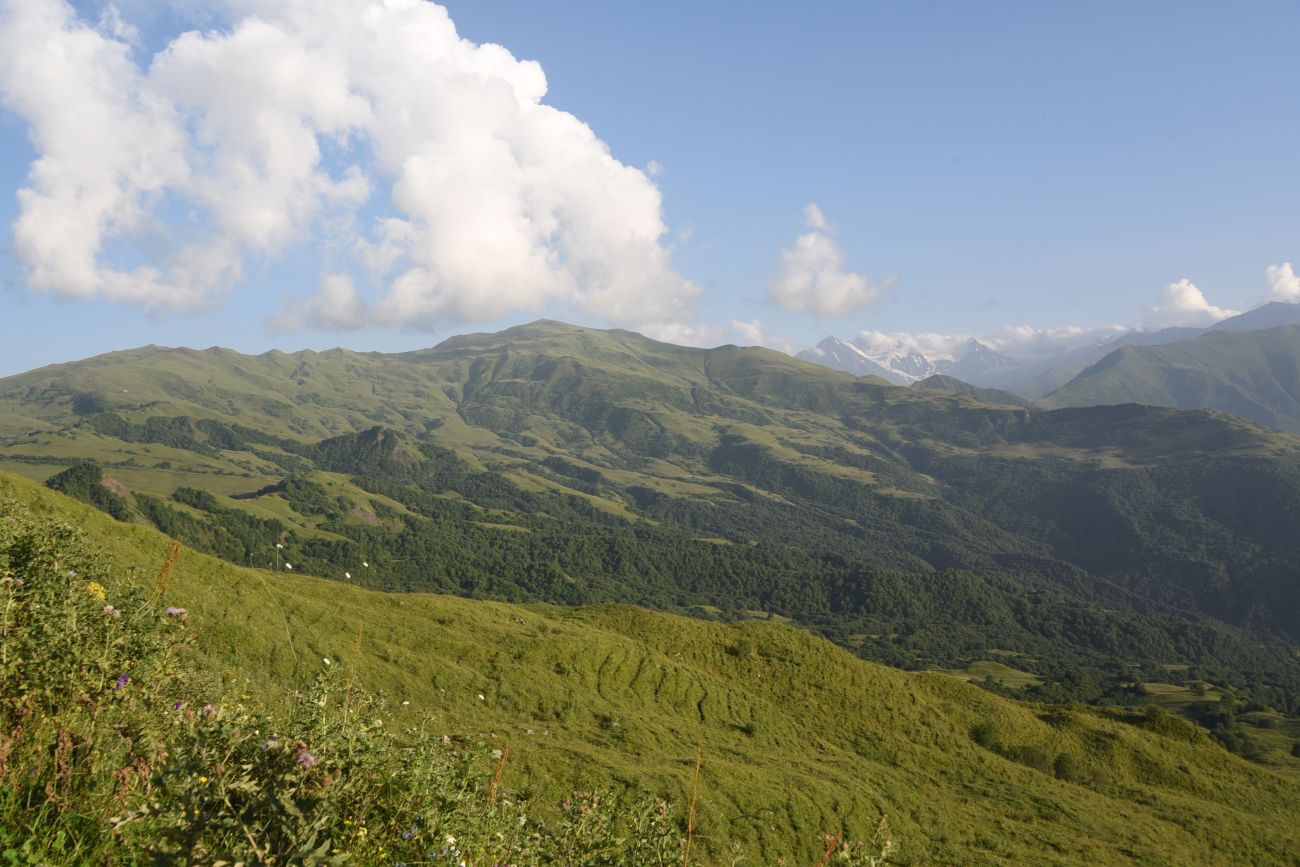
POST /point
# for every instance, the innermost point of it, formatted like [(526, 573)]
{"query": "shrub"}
[(1066, 767), (985, 735), (1033, 757)]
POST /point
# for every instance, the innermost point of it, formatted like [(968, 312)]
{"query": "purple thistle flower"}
[(122, 680), (175, 612), (209, 712), (306, 760)]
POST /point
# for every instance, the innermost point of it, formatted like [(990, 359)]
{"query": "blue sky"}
[(1008, 163)]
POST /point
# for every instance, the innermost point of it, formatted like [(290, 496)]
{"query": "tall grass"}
[(120, 750)]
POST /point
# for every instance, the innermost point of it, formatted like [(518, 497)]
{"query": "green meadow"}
[(798, 738)]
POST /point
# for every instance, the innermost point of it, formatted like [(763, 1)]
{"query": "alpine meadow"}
[(598, 547)]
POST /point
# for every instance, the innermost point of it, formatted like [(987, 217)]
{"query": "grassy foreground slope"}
[(799, 738)]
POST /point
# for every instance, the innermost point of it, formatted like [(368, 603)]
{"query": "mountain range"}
[(922, 527), (1032, 376)]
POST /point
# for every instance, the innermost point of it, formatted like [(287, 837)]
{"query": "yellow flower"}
[(203, 779), (94, 588)]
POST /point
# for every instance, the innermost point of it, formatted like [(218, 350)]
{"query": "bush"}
[(1066, 768), (1032, 757), (984, 735)]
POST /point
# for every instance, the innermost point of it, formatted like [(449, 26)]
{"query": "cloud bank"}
[(1016, 341), (1284, 283), (426, 168), (1183, 303), (1178, 304), (811, 276)]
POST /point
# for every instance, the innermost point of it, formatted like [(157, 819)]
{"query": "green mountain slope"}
[(555, 463), (1254, 374), (798, 737), (939, 382)]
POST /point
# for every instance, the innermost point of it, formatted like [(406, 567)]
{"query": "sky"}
[(383, 174)]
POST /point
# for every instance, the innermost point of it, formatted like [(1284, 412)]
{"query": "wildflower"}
[(174, 612), (288, 566), (203, 779), (111, 611), (365, 564), (122, 680), (347, 574), (482, 697), (304, 757), (209, 712), (326, 660), (20, 582), (94, 588), (451, 841), (278, 546), (405, 703)]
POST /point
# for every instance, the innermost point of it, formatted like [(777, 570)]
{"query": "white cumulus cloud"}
[(1284, 283), (751, 333), (463, 195), (1183, 303), (336, 306), (811, 276)]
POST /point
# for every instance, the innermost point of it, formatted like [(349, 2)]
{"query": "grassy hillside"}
[(939, 382), (799, 738), (553, 463), (1255, 375)]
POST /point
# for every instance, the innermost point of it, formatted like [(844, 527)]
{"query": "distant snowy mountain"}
[(979, 365), (894, 357), (842, 355), (973, 362)]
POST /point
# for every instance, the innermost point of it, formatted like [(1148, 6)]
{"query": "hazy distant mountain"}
[(1252, 374), (980, 365), (842, 355), (1070, 365), (1270, 315)]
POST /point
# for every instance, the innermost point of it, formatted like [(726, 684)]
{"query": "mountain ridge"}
[(574, 465)]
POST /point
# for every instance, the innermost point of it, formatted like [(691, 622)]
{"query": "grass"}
[(798, 738), (1001, 674)]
